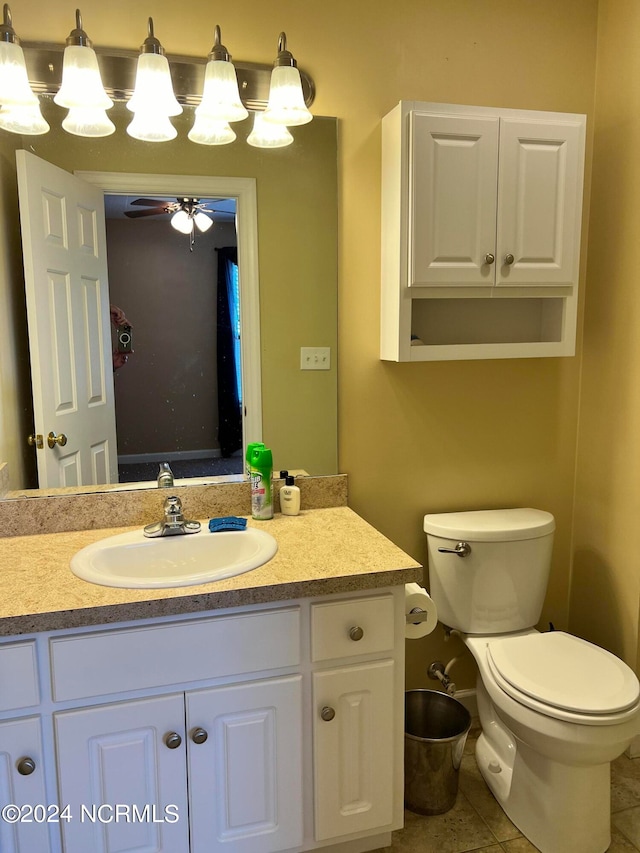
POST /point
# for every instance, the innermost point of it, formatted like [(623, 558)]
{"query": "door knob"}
[(172, 740), (53, 439), (199, 735), (26, 766), (35, 440)]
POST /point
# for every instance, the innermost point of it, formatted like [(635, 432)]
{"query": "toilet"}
[(555, 710)]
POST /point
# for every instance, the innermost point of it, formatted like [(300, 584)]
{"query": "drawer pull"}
[(327, 714), (356, 633), (172, 740), (26, 766), (199, 735)]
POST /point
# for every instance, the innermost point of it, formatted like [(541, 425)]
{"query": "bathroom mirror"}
[(297, 246)]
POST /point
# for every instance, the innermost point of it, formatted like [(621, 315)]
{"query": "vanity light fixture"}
[(82, 92), (20, 109), (286, 103), (153, 100), (155, 87)]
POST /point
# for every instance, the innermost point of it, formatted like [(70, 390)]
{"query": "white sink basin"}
[(133, 561)]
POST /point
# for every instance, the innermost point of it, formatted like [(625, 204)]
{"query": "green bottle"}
[(261, 467), (250, 448)]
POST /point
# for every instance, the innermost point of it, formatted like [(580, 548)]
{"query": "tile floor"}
[(477, 823)]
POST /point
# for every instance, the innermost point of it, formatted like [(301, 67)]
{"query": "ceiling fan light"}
[(220, 97), (207, 131), (266, 134), (182, 222), (203, 221), (27, 120), (154, 89), (81, 80), (14, 83), (286, 102), (151, 126), (88, 122)]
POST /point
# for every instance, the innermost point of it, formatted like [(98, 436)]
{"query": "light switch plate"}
[(315, 358)]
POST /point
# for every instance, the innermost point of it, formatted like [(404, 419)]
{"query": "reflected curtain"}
[(228, 353)]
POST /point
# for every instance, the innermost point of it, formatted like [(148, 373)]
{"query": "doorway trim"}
[(244, 192)]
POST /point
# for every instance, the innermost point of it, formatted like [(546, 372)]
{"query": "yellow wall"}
[(414, 437), (606, 572)]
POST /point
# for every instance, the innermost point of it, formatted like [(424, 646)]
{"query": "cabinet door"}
[(452, 199), (353, 749), (20, 739), (125, 785), (246, 777), (539, 202)]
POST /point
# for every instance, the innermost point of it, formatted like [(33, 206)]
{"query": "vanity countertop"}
[(320, 552)]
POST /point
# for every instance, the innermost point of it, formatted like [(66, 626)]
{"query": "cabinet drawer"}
[(160, 655), (334, 627), (18, 676)]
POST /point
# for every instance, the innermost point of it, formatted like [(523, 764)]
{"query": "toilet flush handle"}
[(462, 549)]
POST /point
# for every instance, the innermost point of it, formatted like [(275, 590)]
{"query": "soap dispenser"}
[(289, 497)]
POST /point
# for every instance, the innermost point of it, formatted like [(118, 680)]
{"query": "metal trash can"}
[(436, 729)]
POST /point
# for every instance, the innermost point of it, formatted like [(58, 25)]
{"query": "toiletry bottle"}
[(290, 497), (261, 487)]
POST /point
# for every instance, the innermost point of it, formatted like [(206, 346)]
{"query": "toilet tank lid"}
[(491, 525)]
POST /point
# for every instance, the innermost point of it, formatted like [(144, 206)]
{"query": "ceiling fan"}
[(188, 213)]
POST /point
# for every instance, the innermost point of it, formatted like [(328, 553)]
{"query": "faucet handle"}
[(173, 506)]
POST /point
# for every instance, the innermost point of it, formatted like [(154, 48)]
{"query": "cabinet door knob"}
[(199, 735), (356, 633), (489, 258), (172, 740), (26, 766), (327, 714), (509, 259)]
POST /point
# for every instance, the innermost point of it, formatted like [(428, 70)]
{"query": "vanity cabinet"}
[(481, 221), (237, 751), (201, 733)]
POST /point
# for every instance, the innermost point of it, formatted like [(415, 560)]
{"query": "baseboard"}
[(633, 750)]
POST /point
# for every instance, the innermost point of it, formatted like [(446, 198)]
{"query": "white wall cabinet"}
[(158, 735), (481, 220)]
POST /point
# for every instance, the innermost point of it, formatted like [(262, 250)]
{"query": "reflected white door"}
[(65, 262)]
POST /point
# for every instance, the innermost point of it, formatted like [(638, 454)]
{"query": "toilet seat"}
[(564, 677)]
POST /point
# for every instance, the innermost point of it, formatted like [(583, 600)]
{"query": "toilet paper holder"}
[(416, 616)]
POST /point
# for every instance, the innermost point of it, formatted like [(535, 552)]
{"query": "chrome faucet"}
[(165, 476), (173, 523)]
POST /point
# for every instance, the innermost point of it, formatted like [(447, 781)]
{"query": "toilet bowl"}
[(555, 710)]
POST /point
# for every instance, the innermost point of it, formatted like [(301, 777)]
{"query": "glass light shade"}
[(15, 90), (182, 222), (203, 221), (81, 81), (154, 89), (207, 131), (286, 101), (151, 127), (220, 97), (88, 122), (266, 134), (27, 120)]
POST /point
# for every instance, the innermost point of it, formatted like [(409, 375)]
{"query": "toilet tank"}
[(500, 585)]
